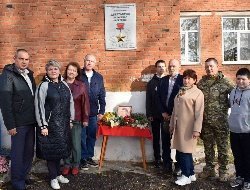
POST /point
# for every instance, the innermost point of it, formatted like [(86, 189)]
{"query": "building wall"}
[(210, 14), (67, 30), (214, 5)]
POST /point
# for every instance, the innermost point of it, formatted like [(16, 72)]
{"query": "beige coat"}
[(187, 117)]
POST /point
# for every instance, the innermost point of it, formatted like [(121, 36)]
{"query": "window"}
[(236, 40), (190, 42)]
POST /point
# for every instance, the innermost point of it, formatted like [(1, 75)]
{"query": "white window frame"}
[(186, 40), (238, 62)]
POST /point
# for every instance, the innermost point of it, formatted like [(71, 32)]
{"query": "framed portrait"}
[(124, 111)]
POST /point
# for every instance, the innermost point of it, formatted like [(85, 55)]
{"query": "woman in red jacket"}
[(81, 100)]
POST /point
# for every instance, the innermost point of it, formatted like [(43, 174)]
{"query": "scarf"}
[(183, 90)]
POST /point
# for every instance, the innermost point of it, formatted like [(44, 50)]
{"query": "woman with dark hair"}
[(54, 112), (186, 124), (81, 101)]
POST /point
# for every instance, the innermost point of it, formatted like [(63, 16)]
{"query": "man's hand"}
[(99, 116), (45, 132), (195, 134), (165, 116), (12, 132), (85, 124)]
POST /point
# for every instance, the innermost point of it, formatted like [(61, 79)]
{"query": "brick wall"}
[(215, 5), (66, 30), (211, 29)]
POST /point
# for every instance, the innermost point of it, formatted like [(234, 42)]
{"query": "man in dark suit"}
[(168, 89), (153, 111)]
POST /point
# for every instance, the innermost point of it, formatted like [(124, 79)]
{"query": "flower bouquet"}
[(111, 119), (135, 120)]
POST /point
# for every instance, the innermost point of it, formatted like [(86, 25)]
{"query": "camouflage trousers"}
[(216, 135)]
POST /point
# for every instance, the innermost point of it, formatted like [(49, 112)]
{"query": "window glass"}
[(193, 45), (230, 46), (190, 52), (189, 24), (182, 47), (233, 24), (236, 40), (245, 46)]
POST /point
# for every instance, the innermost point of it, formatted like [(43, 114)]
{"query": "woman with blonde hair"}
[(54, 113)]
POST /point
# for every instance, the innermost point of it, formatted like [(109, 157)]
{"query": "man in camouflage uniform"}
[(215, 129)]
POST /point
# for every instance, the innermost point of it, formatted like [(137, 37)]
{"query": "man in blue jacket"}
[(168, 89), (95, 84)]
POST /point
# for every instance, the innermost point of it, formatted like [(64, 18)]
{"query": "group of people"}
[(181, 110), (63, 109)]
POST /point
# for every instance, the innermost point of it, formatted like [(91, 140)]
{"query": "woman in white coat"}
[(186, 124)]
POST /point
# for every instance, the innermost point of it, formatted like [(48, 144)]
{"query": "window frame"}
[(186, 62), (238, 32)]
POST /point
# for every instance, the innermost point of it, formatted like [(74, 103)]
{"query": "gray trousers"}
[(75, 157)]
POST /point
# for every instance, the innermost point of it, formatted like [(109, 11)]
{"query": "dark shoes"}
[(91, 163), (88, 162), (237, 182), (246, 186), (84, 165), (29, 182), (157, 164), (167, 168)]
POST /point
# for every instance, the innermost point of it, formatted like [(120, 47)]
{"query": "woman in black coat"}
[(54, 112)]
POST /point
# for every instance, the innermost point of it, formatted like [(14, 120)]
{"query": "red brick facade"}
[(66, 30)]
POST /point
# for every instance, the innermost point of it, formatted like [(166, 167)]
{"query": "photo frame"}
[(124, 111)]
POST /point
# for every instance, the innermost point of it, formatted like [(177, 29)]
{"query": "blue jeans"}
[(89, 138), (22, 152), (186, 163)]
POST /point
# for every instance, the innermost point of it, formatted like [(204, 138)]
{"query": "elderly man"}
[(94, 82), (168, 89), (17, 106), (216, 89)]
